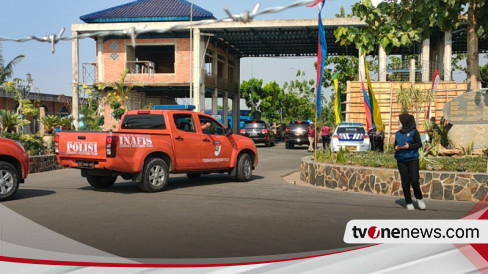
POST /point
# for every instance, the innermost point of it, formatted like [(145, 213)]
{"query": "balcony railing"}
[(140, 67)]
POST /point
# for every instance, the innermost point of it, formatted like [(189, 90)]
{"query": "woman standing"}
[(407, 143)]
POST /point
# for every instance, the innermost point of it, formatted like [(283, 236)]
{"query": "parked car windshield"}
[(351, 130)]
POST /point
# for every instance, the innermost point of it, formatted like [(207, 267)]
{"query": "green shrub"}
[(50, 122), (33, 143), (387, 159)]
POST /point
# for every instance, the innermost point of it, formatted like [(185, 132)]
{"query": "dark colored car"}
[(296, 134), (259, 131)]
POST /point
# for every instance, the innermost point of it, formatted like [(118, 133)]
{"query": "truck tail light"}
[(242, 131), (56, 144), (264, 131), (335, 136), (287, 129), (111, 146)]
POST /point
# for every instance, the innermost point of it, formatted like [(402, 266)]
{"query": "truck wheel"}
[(193, 175), (155, 175), (9, 181), (244, 168), (101, 181)]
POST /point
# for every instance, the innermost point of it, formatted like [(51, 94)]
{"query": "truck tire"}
[(101, 181), (193, 175), (9, 181), (154, 176), (244, 168)]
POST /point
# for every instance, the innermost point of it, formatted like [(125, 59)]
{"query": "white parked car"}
[(350, 136)]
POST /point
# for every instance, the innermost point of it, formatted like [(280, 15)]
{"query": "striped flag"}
[(321, 55), (435, 82), (367, 105), (376, 120), (337, 101)]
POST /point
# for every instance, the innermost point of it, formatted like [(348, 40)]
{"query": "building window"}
[(64, 111), (208, 65), (151, 59)]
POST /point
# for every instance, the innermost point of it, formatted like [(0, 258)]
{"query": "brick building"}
[(53, 104)]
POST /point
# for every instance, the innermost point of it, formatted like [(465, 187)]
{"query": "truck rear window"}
[(145, 121)]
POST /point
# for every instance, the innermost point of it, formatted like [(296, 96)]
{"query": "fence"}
[(386, 95)]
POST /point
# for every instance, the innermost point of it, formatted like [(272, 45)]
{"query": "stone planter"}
[(43, 163), (459, 186)]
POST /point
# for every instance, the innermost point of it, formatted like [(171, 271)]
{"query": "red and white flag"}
[(435, 82)]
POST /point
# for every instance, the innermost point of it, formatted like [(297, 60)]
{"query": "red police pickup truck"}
[(150, 144), (14, 167)]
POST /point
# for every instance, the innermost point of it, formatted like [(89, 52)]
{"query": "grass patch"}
[(387, 159)]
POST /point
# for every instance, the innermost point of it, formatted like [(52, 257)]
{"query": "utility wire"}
[(132, 32)]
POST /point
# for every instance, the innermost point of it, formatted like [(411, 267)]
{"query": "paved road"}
[(212, 217)]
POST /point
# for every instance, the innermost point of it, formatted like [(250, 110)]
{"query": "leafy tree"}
[(484, 73), (299, 101), (119, 95), (405, 23), (6, 71), (252, 92), (90, 116), (346, 68), (297, 108), (272, 101), (21, 88)]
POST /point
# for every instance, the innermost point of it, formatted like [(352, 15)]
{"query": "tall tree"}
[(252, 92), (6, 71), (407, 22)]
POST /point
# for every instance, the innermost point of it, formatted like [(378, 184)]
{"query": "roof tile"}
[(149, 10)]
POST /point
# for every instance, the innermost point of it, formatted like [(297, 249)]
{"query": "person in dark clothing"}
[(379, 140), (407, 143)]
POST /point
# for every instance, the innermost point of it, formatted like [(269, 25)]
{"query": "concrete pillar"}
[(215, 97), (75, 59), (382, 64), (447, 56), (425, 63), (236, 112), (236, 102), (440, 58), (412, 70), (100, 63), (225, 109), (198, 86), (361, 67)]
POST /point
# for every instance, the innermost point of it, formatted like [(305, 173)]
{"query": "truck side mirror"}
[(228, 132)]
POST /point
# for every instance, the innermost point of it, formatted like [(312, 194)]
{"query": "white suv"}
[(350, 136)]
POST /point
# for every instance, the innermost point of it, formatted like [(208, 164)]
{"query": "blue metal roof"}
[(149, 11)]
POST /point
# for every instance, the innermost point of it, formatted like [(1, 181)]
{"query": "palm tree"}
[(6, 71), (9, 121)]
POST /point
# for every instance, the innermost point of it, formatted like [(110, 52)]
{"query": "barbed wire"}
[(132, 32)]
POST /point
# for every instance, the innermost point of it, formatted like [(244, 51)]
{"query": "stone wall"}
[(43, 163), (459, 186)]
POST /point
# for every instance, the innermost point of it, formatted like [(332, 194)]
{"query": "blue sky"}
[(52, 72)]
